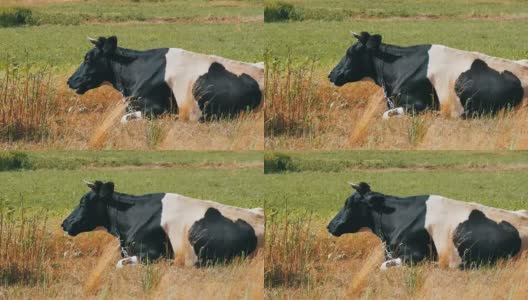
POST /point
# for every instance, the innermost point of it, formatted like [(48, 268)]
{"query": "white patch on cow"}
[(446, 64), (258, 210), (522, 212), (392, 263), (106, 83), (100, 228), (184, 68), (441, 220), (395, 112), (444, 215), (128, 261), (367, 79), (364, 229), (131, 116), (179, 213)]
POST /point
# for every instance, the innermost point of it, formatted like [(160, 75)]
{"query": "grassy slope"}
[(325, 192), (59, 190), (99, 10), (83, 267), (342, 160), (328, 41), (418, 7), (348, 117), (147, 9), (310, 264), (66, 45), (76, 159), (63, 47)]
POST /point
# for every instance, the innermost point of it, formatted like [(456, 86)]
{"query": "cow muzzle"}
[(337, 80), (332, 228), (74, 84)]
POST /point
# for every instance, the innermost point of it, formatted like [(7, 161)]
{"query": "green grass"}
[(351, 160), (70, 160), (324, 193), (347, 10), (59, 190), (74, 13), (65, 46), (327, 42), (15, 16)]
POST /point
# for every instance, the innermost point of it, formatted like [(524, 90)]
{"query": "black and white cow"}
[(416, 228), (195, 232), (434, 77), (171, 80)]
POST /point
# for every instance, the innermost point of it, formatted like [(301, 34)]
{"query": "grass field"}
[(311, 264), (305, 112), (38, 111), (36, 260), (301, 10), (45, 12)]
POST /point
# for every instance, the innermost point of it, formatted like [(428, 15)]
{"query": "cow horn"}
[(92, 40), (89, 184), (356, 35), (353, 185)]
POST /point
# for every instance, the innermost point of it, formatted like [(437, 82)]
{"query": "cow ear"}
[(110, 45), (99, 43), (96, 186), (362, 188), (362, 37), (374, 42), (107, 190)]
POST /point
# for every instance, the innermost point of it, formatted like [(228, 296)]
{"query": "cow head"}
[(357, 212), (357, 62), (91, 211), (95, 69)]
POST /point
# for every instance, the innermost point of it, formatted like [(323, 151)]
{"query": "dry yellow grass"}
[(350, 117), (348, 268), (84, 268), (92, 121)]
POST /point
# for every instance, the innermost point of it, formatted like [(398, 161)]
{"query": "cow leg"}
[(395, 112), (409, 254), (188, 108), (447, 252), (449, 101), (131, 116), (129, 261), (397, 262)]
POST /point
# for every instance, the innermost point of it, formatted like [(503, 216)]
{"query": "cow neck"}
[(377, 221), (379, 63), (119, 64), (114, 213)]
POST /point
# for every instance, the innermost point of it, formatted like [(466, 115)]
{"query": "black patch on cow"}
[(221, 93), (216, 238), (404, 230), (401, 71), (480, 240), (483, 90), (139, 226), (144, 84), (398, 222)]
